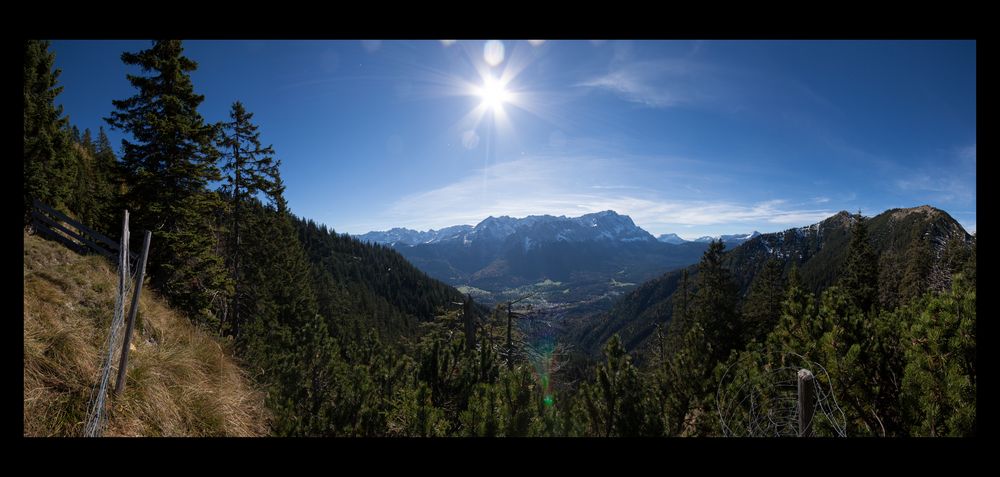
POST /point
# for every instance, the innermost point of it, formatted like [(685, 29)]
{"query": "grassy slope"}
[(181, 381)]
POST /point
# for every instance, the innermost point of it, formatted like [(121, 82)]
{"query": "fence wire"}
[(757, 400), (97, 415)]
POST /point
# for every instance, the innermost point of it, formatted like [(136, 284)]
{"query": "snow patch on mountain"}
[(605, 226), (671, 238)]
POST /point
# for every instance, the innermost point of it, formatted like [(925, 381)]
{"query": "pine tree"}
[(681, 318), (249, 169), (939, 382), (763, 305), (168, 168), (798, 331), (617, 404), (679, 371), (517, 392), (46, 142), (87, 141), (108, 188), (919, 260), (714, 303), (860, 276), (313, 391), (968, 269), (687, 380), (86, 181), (889, 280), (956, 254)]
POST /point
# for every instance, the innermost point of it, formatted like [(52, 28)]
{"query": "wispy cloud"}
[(950, 181), (665, 83), (658, 84), (573, 186), (967, 153), (943, 188)]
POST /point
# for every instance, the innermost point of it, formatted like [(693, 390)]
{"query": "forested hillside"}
[(345, 338), (366, 285), (917, 249)]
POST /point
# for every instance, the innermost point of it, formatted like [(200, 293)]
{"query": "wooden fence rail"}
[(50, 222)]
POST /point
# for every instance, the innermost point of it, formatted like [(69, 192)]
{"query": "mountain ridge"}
[(606, 225), (819, 250), (501, 227), (598, 252)]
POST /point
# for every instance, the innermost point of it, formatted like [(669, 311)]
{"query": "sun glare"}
[(498, 92), (493, 94)]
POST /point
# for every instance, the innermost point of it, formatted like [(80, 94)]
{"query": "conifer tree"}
[(680, 369), (285, 336), (968, 269), (939, 382), (168, 166), (714, 303), (763, 305), (914, 281), (87, 141), (107, 189), (249, 169), (860, 276), (46, 141), (86, 181), (617, 404), (798, 331), (890, 277), (681, 317), (516, 390)]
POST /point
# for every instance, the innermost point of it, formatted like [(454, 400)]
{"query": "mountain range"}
[(729, 240), (911, 242), (598, 252), (600, 226), (604, 225)]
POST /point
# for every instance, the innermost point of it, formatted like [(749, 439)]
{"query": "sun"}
[(493, 93), (498, 92)]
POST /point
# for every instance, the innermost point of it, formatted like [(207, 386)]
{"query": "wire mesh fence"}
[(756, 399), (97, 415)]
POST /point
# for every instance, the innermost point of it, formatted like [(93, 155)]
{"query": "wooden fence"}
[(74, 235)]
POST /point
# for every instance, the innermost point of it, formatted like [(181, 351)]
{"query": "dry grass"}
[(180, 381)]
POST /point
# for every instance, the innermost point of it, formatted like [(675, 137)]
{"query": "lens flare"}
[(493, 52), (543, 349)]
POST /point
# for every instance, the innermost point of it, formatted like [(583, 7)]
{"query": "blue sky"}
[(689, 137)]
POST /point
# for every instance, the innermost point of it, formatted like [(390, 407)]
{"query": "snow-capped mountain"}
[(608, 227), (730, 240), (404, 236), (671, 238), (601, 226), (503, 251), (740, 237)]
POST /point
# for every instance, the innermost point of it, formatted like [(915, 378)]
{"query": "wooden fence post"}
[(120, 384), (807, 402)]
